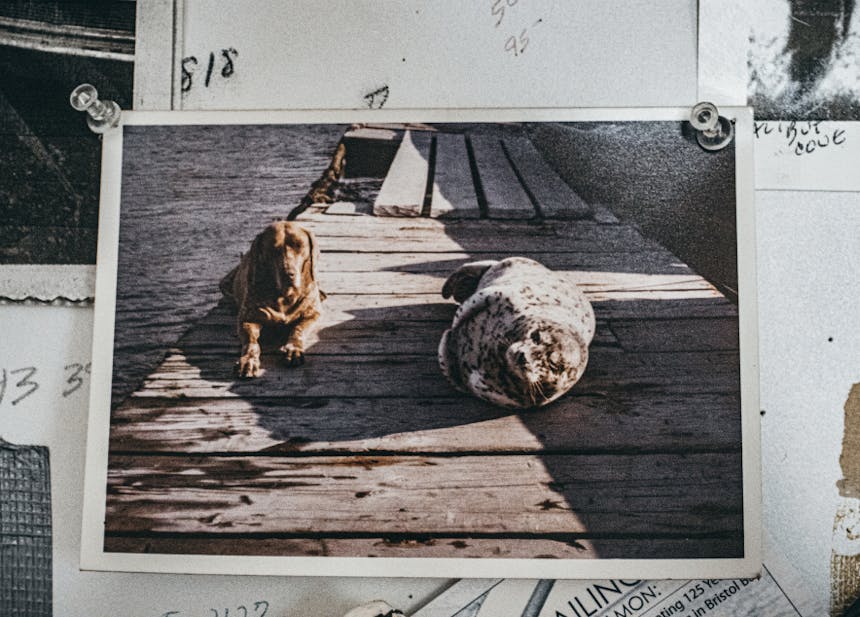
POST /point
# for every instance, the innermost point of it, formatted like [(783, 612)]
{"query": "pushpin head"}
[(102, 115), (718, 137), (83, 97), (704, 117)]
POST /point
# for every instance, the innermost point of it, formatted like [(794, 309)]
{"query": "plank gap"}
[(476, 179)]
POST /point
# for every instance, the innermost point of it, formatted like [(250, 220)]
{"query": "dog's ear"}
[(313, 255), (260, 272), (464, 281)]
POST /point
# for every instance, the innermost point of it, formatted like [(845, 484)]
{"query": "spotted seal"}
[(520, 336)]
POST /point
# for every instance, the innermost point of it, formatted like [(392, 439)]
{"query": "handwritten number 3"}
[(25, 382), (75, 379)]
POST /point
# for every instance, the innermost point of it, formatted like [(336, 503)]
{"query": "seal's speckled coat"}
[(520, 337)]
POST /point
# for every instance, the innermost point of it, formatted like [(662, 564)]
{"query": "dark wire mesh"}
[(25, 531)]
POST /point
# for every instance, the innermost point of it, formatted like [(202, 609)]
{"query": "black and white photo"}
[(804, 59)]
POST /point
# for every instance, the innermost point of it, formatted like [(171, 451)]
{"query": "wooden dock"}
[(367, 451)]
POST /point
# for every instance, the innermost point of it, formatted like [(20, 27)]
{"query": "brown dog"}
[(275, 285)]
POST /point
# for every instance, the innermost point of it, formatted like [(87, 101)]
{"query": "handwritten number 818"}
[(190, 63)]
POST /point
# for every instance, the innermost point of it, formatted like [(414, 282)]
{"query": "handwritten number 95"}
[(517, 45), (190, 64)]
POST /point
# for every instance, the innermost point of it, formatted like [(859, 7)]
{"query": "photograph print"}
[(804, 59), (420, 342)]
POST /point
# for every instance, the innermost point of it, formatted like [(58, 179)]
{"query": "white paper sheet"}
[(807, 155), (762, 597), (809, 257), (492, 53), (807, 136), (723, 45)]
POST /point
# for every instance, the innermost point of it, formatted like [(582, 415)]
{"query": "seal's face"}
[(546, 362)]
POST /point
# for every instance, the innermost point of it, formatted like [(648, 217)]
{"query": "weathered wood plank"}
[(453, 186), (431, 307), (603, 284), (389, 336), (405, 186), (533, 239), (505, 196), (617, 422), (677, 334), (385, 135), (403, 375), (334, 337), (645, 262), (403, 546), (645, 493), (554, 197), (574, 547), (349, 208), (604, 215)]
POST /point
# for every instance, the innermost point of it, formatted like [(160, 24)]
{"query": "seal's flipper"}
[(464, 281), (448, 362)]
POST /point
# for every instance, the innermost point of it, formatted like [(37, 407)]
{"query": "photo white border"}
[(93, 556)]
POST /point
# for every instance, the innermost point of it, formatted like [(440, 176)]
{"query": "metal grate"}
[(25, 531)]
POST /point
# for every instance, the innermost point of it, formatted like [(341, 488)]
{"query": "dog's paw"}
[(248, 366), (293, 355)]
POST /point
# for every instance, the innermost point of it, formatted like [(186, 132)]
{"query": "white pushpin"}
[(713, 132), (101, 115)]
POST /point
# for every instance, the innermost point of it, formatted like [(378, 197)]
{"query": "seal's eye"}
[(536, 336)]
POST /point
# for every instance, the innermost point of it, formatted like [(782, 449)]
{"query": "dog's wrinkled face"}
[(286, 255)]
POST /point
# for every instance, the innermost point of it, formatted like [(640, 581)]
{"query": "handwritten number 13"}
[(25, 382)]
